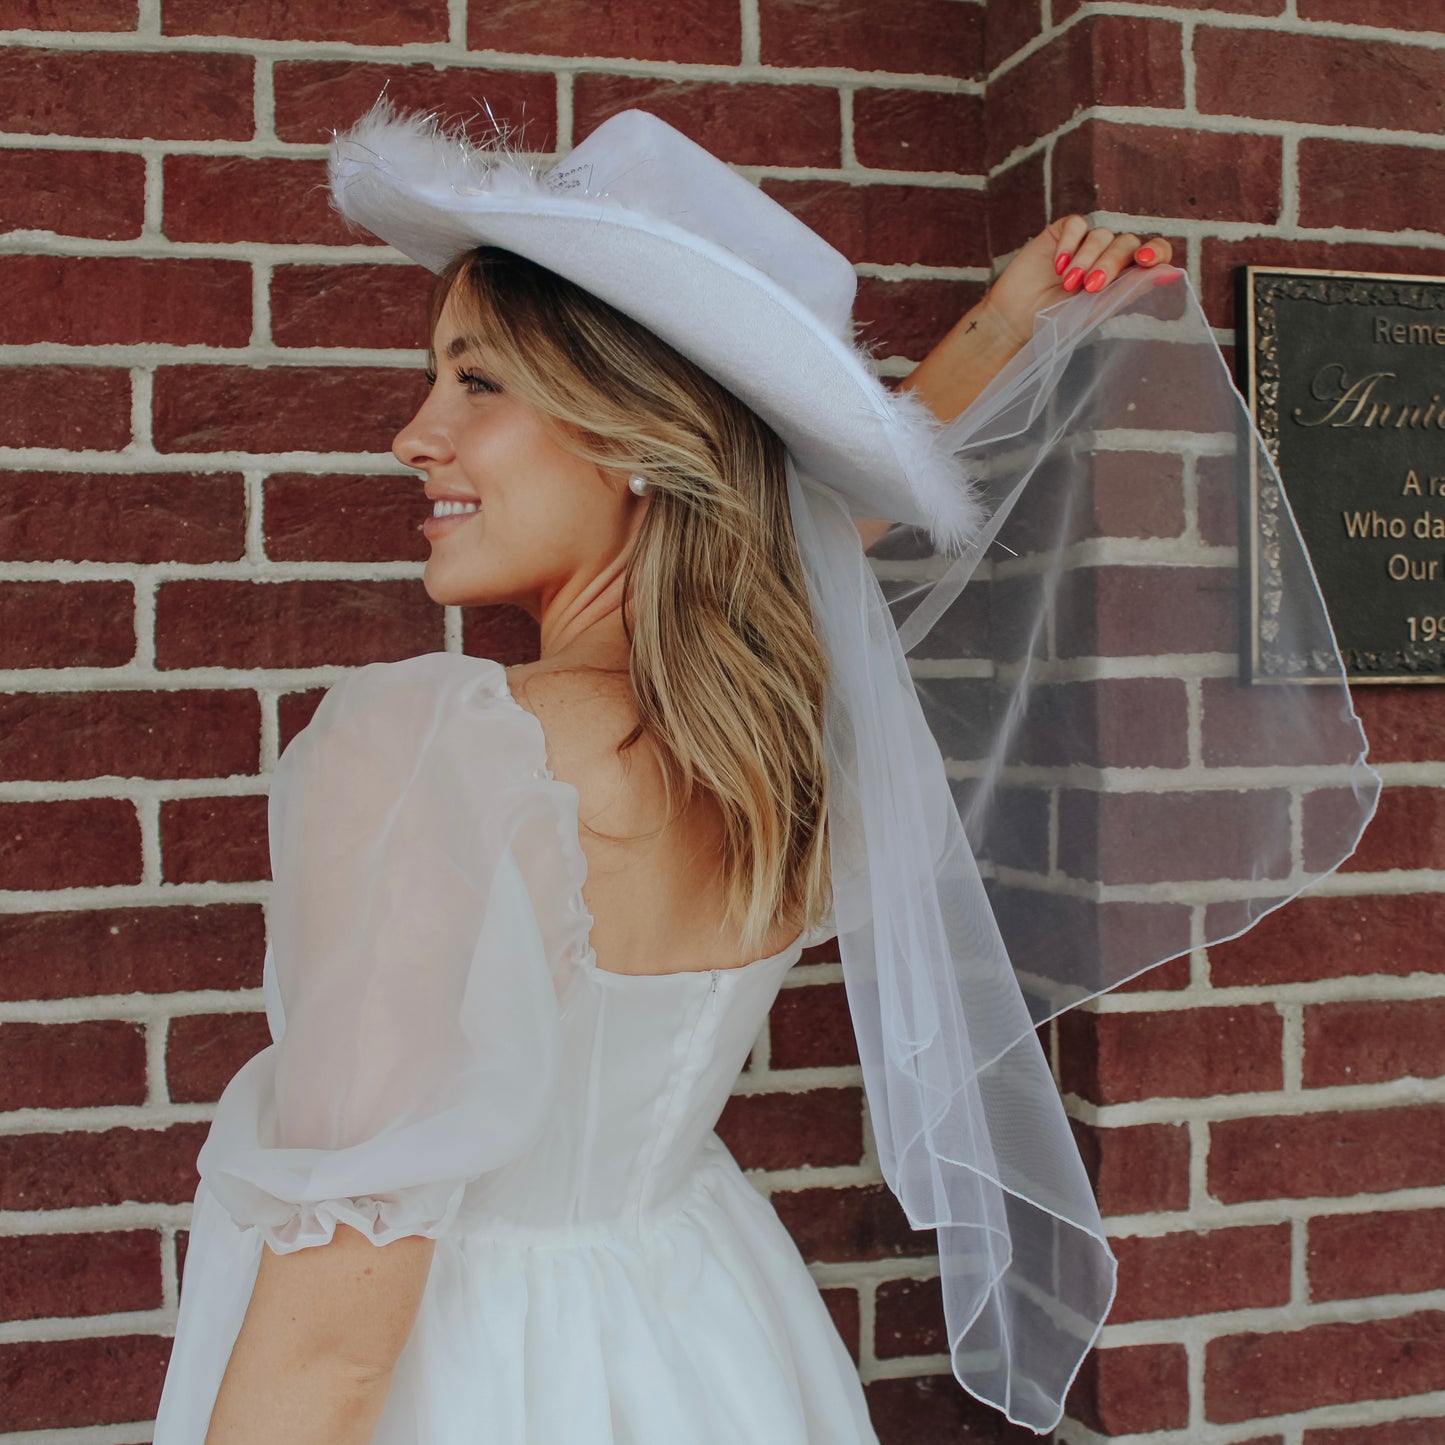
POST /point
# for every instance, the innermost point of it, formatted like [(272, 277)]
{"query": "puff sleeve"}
[(411, 1001)]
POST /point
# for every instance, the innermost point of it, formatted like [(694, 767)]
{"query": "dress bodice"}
[(650, 1060)]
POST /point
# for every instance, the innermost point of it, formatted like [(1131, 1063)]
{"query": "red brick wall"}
[(201, 527)]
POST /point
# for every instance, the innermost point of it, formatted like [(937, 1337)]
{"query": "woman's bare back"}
[(656, 903)]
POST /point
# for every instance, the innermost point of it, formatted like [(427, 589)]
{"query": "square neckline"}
[(588, 961)]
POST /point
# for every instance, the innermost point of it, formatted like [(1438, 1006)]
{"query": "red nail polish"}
[(1060, 262), (1144, 254), (1073, 278), (1095, 281)]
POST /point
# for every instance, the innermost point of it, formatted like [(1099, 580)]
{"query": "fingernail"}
[(1165, 277), (1096, 279), (1144, 254), (1073, 278), (1060, 262)]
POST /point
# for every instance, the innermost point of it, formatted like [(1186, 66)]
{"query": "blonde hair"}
[(727, 673)]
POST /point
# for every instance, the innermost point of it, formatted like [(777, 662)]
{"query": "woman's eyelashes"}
[(471, 379), (468, 379)]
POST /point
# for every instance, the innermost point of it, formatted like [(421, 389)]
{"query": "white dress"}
[(448, 1060)]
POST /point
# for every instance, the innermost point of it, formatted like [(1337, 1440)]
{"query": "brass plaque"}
[(1344, 373)]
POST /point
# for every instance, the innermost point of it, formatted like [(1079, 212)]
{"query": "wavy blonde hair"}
[(727, 673)]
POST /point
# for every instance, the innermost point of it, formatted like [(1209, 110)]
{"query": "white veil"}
[(1044, 784)]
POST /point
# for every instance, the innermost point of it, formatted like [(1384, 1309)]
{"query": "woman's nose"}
[(420, 442)]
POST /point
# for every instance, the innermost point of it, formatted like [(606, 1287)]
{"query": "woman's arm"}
[(315, 1354), (1067, 256)]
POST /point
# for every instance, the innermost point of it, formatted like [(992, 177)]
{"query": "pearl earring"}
[(638, 483)]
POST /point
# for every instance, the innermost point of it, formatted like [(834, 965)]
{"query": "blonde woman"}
[(527, 921)]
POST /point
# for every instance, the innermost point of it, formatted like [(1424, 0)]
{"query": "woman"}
[(527, 921)]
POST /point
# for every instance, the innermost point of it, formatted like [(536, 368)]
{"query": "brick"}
[(204, 1051), (1250, 1375), (97, 194), (1168, 977), (1373, 1041), (68, 14), (851, 1223), (1174, 837), (78, 408), (1179, 1054), (1103, 60), (1393, 1432), (919, 130), (1008, 27), (933, 1408), (344, 519), (1102, 494), (740, 122), (1407, 831), (1255, 726), (1136, 1168), (843, 1306), (127, 95), (70, 735), (1164, 171), (1398, 15), (812, 1028), (282, 408), (689, 30), (912, 37), (126, 300), (70, 1066), (1357, 1256), (504, 633), (1359, 186), (60, 1384), (214, 840), (907, 318), (294, 710), (1132, 1389), (813, 1128), (158, 950), (1036, 922), (66, 1276), (74, 843), (400, 22), (1314, 938), (1173, 1276), (1062, 9), (1319, 80), (908, 1318), (921, 225), (109, 517), (1145, 611), (1401, 724), (79, 1168), (1362, 1151), (1116, 722), (293, 624), (66, 624), (244, 198), (355, 305), (1220, 257), (1015, 205), (314, 95), (1218, 488)]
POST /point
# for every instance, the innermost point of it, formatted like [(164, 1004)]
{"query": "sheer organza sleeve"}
[(409, 988)]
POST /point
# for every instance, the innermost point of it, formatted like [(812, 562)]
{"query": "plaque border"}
[(1261, 369)]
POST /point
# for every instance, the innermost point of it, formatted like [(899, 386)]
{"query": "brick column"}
[(1263, 1120)]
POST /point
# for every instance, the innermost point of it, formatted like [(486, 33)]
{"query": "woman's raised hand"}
[(1068, 256)]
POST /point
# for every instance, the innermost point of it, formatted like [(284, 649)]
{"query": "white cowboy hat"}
[(663, 230)]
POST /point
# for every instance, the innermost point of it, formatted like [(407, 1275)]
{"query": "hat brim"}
[(817, 391)]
